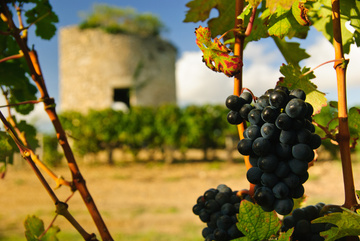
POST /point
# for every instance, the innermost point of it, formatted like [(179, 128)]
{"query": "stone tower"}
[(100, 70)]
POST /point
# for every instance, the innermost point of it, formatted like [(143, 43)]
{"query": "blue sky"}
[(261, 59), (171, 14)]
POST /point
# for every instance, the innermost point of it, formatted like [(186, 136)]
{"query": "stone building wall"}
[(94, 63)]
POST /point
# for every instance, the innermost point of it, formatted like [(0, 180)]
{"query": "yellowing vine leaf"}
[(347, 224), (273, 4), (216, 55), (255, 223)]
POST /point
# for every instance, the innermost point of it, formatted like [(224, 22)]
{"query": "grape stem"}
[(343, 137), (238, 51), (327, 62)]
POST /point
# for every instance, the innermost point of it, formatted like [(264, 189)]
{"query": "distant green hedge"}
[(201, 127), (113, 19)]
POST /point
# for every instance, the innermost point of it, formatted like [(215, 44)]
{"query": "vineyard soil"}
[(142, 201)]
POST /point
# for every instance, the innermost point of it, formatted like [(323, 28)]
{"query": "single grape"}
[(245, 110), (282, 88), (269, 114), (298, 93), (269, 131), (297, 192), (224, 188), (314, 141), (210, 194), (222, 198), (296, 108), (281, 190), (264, 196), (288, 137), (252, 132), (207, 231), (197, 208), (224, 222), (303, 135), (253, 160), (254, 117), (302, 152), (204, 216), (292, 180), (298, 214), (220, 235), (278, 98), (261, 146), (269, 179), (253, 175), (247, 97), (228, 209), (309, 110), (303, 228), (212, 206), (234, 232), (283, 206), (284, 122), (234, 117), (233, 102), (244, 146), (262, 102), (268, 163), (297, 166), (288, 222)]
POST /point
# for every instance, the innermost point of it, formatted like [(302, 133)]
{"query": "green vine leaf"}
[(199, 10), (34, 227), (291, 51), (44, 19), (216, 55), (294, 78), (354, 123), (320, 15), (347, 222), (255, 223)]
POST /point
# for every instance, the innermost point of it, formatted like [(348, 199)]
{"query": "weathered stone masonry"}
[(95, 66)]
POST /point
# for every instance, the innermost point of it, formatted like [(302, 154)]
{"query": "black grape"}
[(245, 146), (269, 114), (283, 206), (296, 108), (278, 99), (269, 131), (234, 117), (302, 152), (261, 146), (298, 93), (284, 122), (247, 97), (281, 190), (254, 174), (245, 110), (252, 132), (254, 117), (234, 103), (264, 196), (268, 163), (297, 166)]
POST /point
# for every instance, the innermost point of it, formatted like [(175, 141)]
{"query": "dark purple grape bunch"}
[(300, 219), (280, 141), (218, 209), (237, 105)]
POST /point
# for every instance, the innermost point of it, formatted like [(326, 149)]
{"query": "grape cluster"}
[(218, 208), (279, 141), (300, 219)]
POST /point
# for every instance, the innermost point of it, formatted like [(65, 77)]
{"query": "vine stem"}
[(79, 183), (238, 51), (343, 136)]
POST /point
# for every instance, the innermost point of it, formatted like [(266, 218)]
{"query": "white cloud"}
[(196, 84)]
